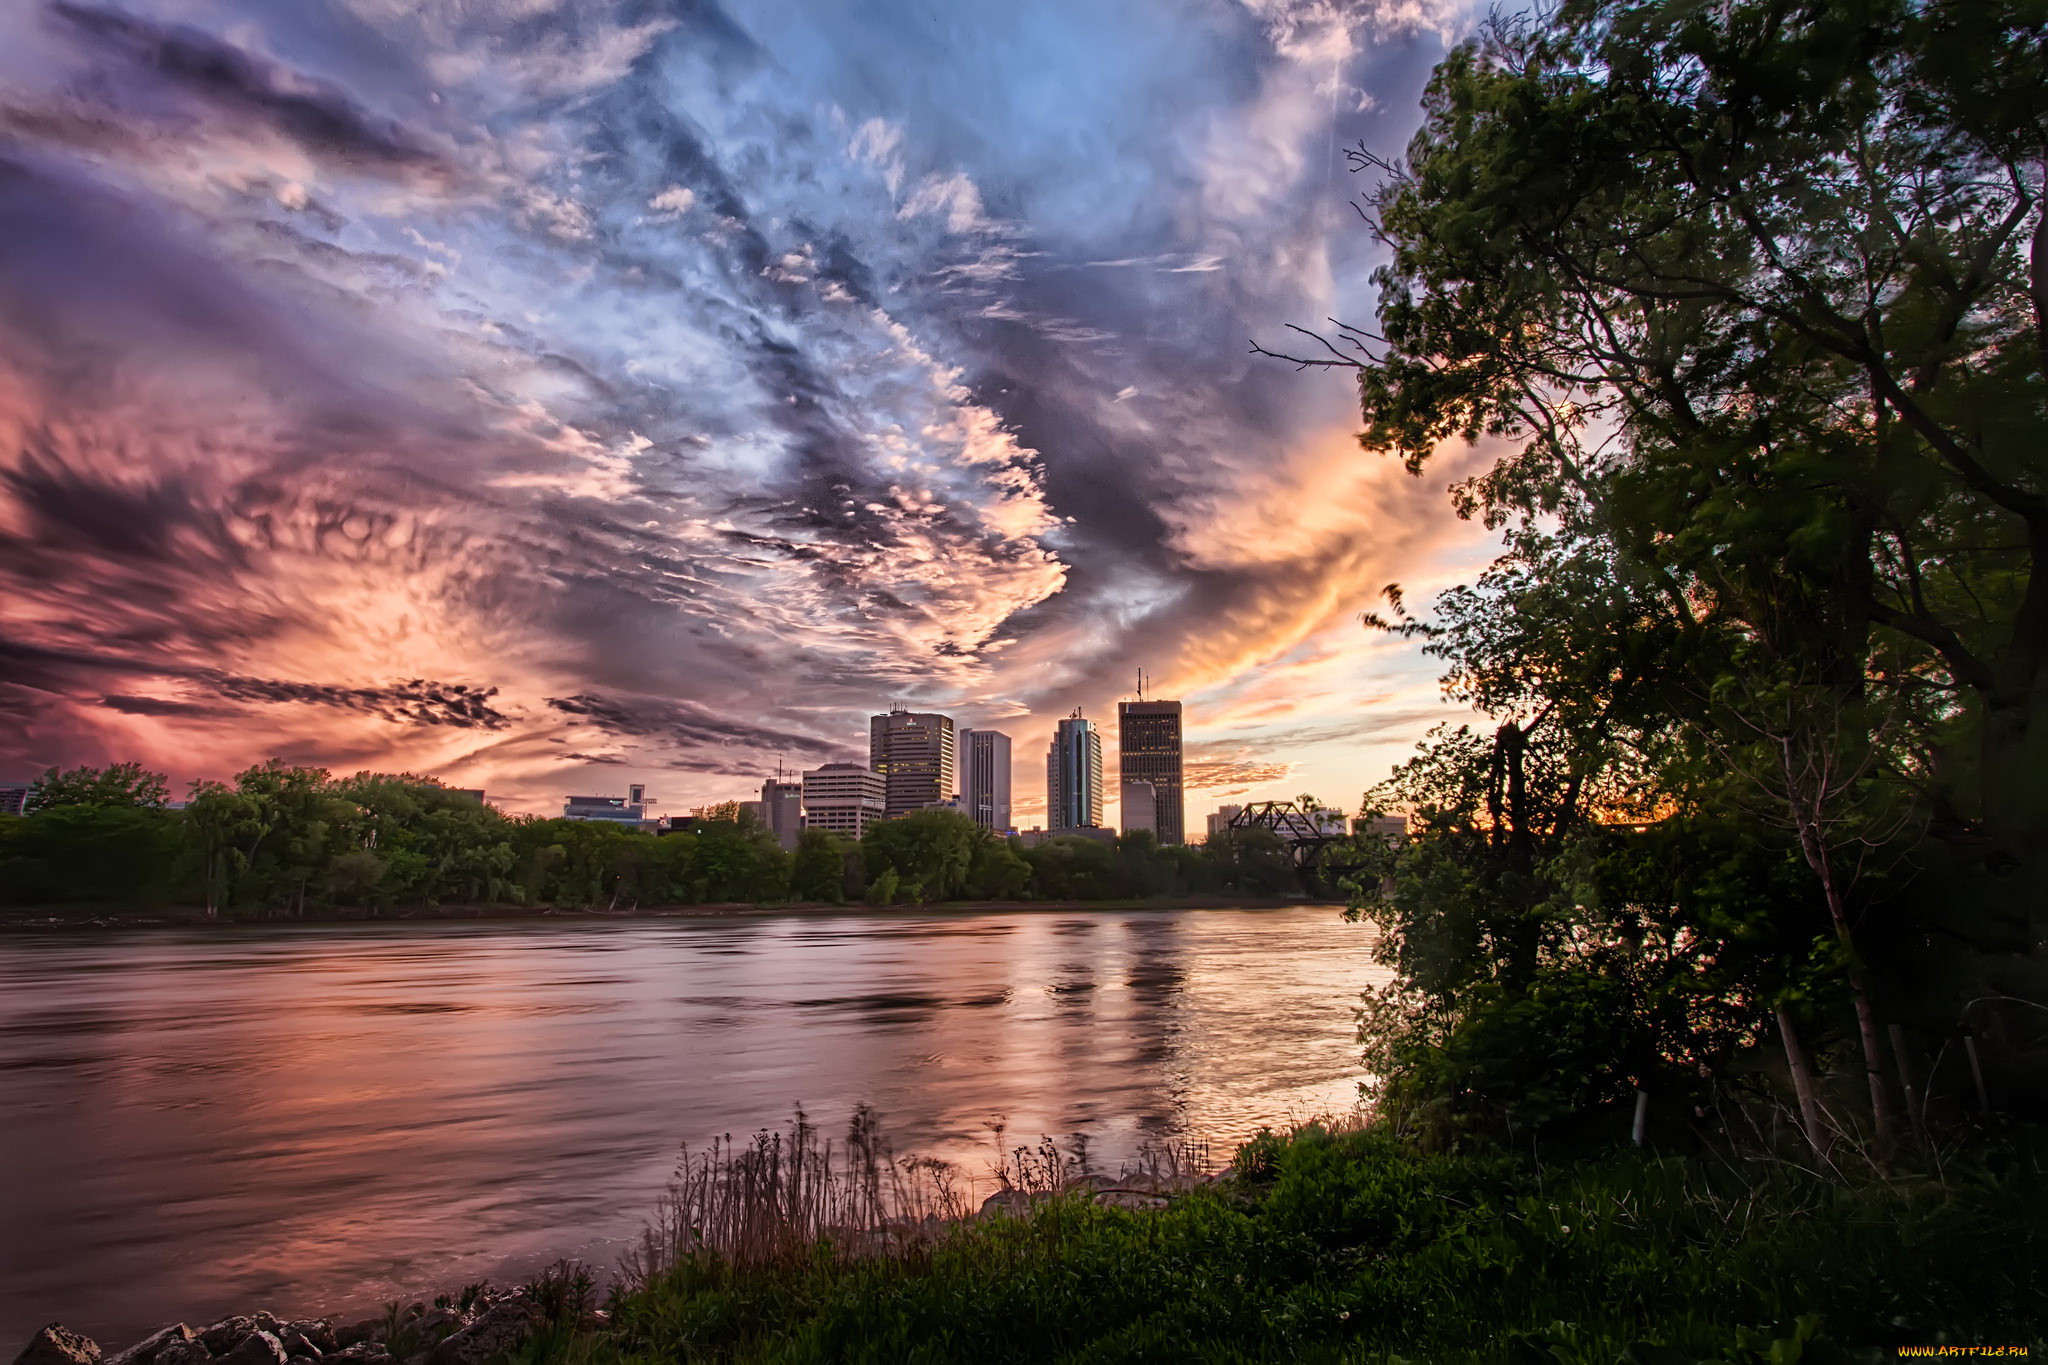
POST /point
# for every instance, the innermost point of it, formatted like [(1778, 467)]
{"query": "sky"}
[(548, 395)]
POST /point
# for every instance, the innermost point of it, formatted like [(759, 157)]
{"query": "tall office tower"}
[(1148, 750), (1139, 809), (782, 805), (842, 798), (985, 778), (1073, 776), (913, 751)]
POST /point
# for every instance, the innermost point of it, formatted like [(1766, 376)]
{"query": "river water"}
[(321, 1118)]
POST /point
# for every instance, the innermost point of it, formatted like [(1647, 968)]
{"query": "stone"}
[(192, 1352), (497, 1330), (258, 1348), (296, 1347), (440, 1322), (145, 1351), (227, 1334), (318, 1332), (369, 1329), (59, 1345), (359, 1353)]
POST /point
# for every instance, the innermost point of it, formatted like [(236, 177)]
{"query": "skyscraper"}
[(782, 803), (913, 751), (1148, 750), (985, 778), (1139, 808), (1073, 776)]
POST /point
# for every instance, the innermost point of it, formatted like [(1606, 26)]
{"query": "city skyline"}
[(418, 389)]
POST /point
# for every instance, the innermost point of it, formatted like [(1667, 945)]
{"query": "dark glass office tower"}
[(1148, 750)]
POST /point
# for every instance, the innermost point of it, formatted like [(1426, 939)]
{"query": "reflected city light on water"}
[(320, 1119)]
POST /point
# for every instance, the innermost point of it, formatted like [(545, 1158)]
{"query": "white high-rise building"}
[(985, 777), (843, 799)]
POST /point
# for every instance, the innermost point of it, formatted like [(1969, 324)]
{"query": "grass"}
[(1331, 1246)]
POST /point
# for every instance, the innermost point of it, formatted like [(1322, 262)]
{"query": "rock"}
[(369, 1329), (440, 1322), (145, 1351), (190, 1352), (227, 1334), (497, 1330), (258, 1348), (267, 1322), (297, 1347), (359, 1353), (1014, 1203), (318, 1332), (59, 1345)]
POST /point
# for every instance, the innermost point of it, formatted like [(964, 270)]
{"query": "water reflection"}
[(323, 1118)]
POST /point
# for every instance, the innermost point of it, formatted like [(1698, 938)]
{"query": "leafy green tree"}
[(118, 784), (105, 854), (818, 868), (1755, 298), (930, 851)]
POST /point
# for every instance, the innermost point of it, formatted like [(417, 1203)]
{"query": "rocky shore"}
[(478, 1328)]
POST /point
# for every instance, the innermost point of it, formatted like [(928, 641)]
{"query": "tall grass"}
[(1325, 1244), (771, 1201)]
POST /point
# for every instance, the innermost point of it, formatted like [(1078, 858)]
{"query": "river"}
[(324, 1117)]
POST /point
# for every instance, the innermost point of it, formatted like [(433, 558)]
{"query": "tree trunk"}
[(1804, 1084), (1882, 1118)]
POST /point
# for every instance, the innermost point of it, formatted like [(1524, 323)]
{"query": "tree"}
[(930, 851), (818, 869), (1756, 298), (118, 784)]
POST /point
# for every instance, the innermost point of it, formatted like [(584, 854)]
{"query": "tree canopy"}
[(1751, 301)]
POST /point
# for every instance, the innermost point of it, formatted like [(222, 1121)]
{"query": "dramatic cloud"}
[(551, 393)]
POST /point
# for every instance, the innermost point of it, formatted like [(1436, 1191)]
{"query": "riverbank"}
[(102, 917), (1331, 1246)]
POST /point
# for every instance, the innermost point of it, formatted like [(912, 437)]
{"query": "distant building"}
[(1149, 750), (1073, 776), (14, 797), (781, 808), (843, 799), (1392, 828), (1220, 820), (1139, 809), (913, 752), (985, 778), (1329, 822), (629, 809)]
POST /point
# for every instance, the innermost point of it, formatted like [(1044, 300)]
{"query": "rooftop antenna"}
[(1141, 684)]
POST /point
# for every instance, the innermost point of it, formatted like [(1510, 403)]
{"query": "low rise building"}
[(630, 809), (843, 799)]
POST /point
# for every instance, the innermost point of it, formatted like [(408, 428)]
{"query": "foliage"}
[(1752, 302), (1354, 1247), (282, 839), (118, 784)]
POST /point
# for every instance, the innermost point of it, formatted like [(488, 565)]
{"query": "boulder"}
[(369, 1329), (59, 1345), (497, 1330), (359, 1353), (227, 1334), (296, 1347), (145, 1351), (318, 1332), (191, 1351), (258, 1348)]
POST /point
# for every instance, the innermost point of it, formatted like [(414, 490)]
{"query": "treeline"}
[(1752, 301), (284, 840)]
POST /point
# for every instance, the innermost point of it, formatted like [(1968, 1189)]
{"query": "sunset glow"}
[(546, 396)]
